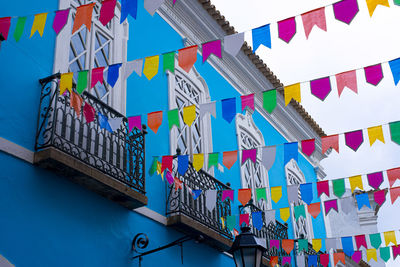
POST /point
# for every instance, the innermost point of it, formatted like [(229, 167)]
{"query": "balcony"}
[(192, 217), (110, 164)]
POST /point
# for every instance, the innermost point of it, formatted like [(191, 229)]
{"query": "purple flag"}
[(60, 19), (249, 154), (274, 243), (135, 121), (321, 87), (227, 194), (169, 177), (213, 47), (380, 197), (330, 204), (373, 74), (247, 101), (287, 29), (286, 260), (375, 179), (345, 10), (354, 139), (357, 255)]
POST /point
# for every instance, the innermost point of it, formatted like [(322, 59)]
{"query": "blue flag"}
[(229, 109), (290, 151), (196, 193), (313, 260), (261, 36), (306, 193), (128, 7), (103, 122), (395, 68), (113, 74), (363, 199), (257, 219), (347, 244), (183, 164)]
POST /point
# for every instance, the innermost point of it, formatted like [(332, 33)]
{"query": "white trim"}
[(151, 214), (16, 150)]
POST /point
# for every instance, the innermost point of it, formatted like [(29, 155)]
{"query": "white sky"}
[(366, 41)]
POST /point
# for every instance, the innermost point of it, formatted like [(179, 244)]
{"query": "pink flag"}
[(345, 10), (60, 19), (346, 79), (287, 29), (330, 204), (5, 24), (360, 241), (357, 255), (396, 251), (89, 112), (135, 121), (247, 101), (308, 146), (107, 11), (331, 141), (373, 74), (393, 175), (286, 260), (213, 47), (97, 76), (321, 87), (227, 194), (380, 197), (323, 187), (274, 243), (375, 179), (324, 259), (249, 154), (314, 17), (244, 218), (394, 193), (166, 163), (354, 139)]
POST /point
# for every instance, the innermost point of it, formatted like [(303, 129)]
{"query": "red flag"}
[(287, 245), (323, 187), (76, 103), (5, 24), (107, 11), (166, 163), (229, 158), (360, 241), (89, 112), (154, 120), (324, 259), (97, 76), (244, 218), (339, 256)]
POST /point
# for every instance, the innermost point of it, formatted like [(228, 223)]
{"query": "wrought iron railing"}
[(119, 154), (310, 251), (181, 202)]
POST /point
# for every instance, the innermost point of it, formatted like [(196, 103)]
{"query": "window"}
[(101, 47)]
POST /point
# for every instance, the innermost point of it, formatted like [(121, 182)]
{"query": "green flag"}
[(338, 187), (19, 28), (395, 131), (269, 100), (385, 253), (169, 62), (261, 193), (299, 211), (303, 244), (396, 2), (213, 160), (376, 240), (82, 81), (173, 118), (153, 168), (231, 222)]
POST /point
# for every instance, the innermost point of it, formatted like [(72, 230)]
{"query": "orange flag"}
[(314, 209), (274, 260), (338, 257), (76, 102), (331, 141), (287, 245), (154, 120), (244, 196), (187, 57), (83, 17), (229, 158)]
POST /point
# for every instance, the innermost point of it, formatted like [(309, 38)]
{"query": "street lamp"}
[(247, 249)]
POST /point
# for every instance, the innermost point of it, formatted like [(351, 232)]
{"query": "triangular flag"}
[(89, 112), (346, 79), (151, 67), (233, 43), (293, 193), (330, 204), (249, 154), (66, 82), (308, 146), (372, 4), (187, 57), (269, 216), (82, 81), (371, 253), (317, 244), (338, 256), (393, 175), (247, 101), (375, 179), (229, 109), (169, 61), (196, 193), (189, 114), (213, 159), (268, 156), (395, 68), (154, 120), (128, 7), (213, 47), (324, 259), (396, 251), (390, 237), (357, 256), (76, 103), (303, 245), (153, 168), (166, 163), (38, 24), (261, 193), (244, 218), (208, 108), (115, 123), (314, 17), (133, 66), (152, 5), (19, 28), (314, 209), (292, 92), (261, 36), (198, 161), (276, 193), (360, 241), (356, 182), (244, 196), (107, 11), (384, 253), (375, 240), (269, 100), (323, 187), (173, 118), (331, 141), (211, 199), (103, 122), (299, 211), (97, 76), (290, 152), (347, 244), (287, 29), (135, 121), (345, 10), (227, 194), (229, 158), (363, 200), (354, 139), (83, 17), (321, 88), (287, 245), (338, 187), (347, 204), (395, 131), (373, 74), (5, 24), (306, 193), (375, 133), (60, 19), (394, 193), (178, 183)]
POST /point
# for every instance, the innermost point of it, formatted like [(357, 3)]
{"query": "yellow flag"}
[(371, 254), (276, 193), (285, 214), (375, 133), (292, 91), (159, 165), (198, 160), (372, 4), (38, 24), (151, 67), (223, 222), (356, 181), (390, 237), (66, 82), (317, 244), (189, 114)]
